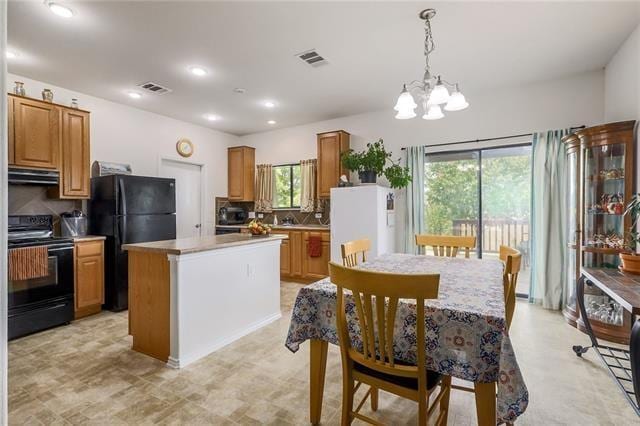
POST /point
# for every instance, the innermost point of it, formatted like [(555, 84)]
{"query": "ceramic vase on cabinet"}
[(47, 95), (19, 89)]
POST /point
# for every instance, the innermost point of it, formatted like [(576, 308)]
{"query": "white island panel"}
[(219, 296)]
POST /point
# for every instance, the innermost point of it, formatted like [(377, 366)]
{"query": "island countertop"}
[(198, 244)]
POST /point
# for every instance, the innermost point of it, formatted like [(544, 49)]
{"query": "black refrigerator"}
[(129, 209)]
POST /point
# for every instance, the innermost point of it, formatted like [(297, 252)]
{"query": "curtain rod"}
[(493, 139)]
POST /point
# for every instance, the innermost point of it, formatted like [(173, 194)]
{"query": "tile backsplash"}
[(298, 216), (32, 199)]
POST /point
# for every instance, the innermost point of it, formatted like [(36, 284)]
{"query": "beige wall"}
[(123, 134), (571, 101), (622, 86), (566, 102), (622, 81)]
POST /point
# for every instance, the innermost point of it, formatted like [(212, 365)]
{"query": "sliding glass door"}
[(452, 196), (496, 182), (506, 205)]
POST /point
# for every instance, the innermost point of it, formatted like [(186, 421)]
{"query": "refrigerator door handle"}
[(122, 231), (123, 197)]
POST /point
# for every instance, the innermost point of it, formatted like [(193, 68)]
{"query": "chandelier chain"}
[(429, 44)]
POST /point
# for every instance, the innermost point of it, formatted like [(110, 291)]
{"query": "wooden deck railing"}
[(497, 232)]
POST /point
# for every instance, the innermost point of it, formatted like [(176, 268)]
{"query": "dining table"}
[(467, 336)]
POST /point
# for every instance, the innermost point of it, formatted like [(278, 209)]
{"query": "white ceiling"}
[(108, 48)]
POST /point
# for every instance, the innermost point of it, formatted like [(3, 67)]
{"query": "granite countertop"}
[(199, 244), (297, 227), (86, 238)]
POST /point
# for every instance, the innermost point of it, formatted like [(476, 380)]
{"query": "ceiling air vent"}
[(154, 88), (312, 58)]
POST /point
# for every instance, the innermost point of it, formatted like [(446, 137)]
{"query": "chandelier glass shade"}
[(432, 91)]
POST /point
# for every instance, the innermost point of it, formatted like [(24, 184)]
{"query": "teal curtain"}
[(414, 208), (548, 214)]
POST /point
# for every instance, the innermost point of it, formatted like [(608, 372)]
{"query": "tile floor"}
[(86, 374)]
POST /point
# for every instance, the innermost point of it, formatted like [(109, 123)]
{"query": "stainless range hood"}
[(33, 177)]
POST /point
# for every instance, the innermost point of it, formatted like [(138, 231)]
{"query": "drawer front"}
[(89, 248), (324, 235)]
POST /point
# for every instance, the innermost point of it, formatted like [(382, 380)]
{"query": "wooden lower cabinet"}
[(316, 268), (88, 277), (295, 262)]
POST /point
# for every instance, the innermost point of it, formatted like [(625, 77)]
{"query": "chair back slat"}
[(368, 312), (379, 293), (381, 320), (351, 250), (392, 308), (446, 245), (364, 330), (512, 259)]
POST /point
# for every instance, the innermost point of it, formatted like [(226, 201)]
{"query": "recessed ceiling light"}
[(11, 54), (134, 95), (269, 104), (271, 122), (60, 10), (211, 117), (198, 71)]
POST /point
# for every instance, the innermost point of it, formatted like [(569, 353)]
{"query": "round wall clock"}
[(184, 147)]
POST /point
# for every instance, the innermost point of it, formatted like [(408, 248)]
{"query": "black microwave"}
[(231, 216)]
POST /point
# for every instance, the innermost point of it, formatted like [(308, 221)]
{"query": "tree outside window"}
[(287, 186)]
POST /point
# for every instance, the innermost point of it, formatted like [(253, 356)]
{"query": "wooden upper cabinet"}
[(75, 179), (241, 173), (330, 146), (34, 137)]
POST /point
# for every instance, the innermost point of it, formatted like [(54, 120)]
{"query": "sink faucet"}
[(289, 219)]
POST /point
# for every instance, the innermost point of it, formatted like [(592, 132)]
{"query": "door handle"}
[(198, 225)]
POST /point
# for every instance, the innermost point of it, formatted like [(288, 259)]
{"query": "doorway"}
[(485, 193), (189, 195)]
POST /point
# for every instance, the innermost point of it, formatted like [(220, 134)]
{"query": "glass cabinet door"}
[(572, 228), (604, 224), (604, 198)]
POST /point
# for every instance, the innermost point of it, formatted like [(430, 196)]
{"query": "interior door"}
[(188, 196)]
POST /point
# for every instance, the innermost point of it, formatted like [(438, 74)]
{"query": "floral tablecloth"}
[(466, 329)]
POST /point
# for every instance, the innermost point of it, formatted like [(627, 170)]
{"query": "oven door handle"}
[(60, 248)]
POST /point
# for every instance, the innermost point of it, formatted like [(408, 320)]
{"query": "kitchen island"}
[(189, 297)]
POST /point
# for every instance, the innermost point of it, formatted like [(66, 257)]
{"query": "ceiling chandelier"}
[(432, 90)]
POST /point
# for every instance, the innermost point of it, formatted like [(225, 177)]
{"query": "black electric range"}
[(39, 303)]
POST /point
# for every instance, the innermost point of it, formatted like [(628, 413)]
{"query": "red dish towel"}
[(314, 246)]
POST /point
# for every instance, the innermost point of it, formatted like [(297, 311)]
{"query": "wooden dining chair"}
[(512, 259), (376, 295), (446, 245), (351, 250)]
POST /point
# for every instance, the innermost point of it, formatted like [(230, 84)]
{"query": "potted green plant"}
[(631, 260), (372, 162)]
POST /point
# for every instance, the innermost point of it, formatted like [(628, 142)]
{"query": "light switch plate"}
[(252, 215), (318, 215)]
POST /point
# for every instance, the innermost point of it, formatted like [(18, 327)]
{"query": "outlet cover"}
[(318, 215), (260, 216), (252, 215)]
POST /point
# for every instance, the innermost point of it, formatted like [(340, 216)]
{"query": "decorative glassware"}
[(19, 89), (74, 103), (47, 95)]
